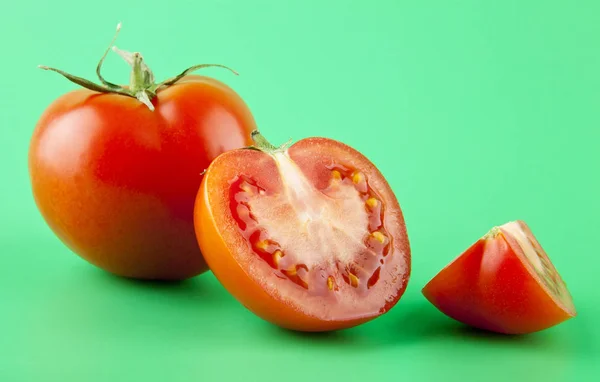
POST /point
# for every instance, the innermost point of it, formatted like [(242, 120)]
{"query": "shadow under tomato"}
[(408, 322), (87, 302), (416, 322), (559, 340), (94, 295), (194, 288), (430, 324)]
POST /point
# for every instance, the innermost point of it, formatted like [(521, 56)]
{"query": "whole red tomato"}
[(504, 283), (309, 237), (115, 170)]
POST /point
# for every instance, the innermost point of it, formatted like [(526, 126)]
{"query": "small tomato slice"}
[(504, 283), (309, 237)]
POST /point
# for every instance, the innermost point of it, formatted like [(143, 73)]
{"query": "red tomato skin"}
[(490, 288), (116, 182)]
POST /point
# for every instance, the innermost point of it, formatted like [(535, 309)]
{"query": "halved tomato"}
[(309, 237), (504, 283)]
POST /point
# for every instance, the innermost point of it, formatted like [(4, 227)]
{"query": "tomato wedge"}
[(504, 283), (309, 237)]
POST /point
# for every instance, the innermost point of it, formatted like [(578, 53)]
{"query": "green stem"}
[(141, 79)]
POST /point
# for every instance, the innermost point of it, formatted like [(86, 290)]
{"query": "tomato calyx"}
[(262, 144), (142, 85)]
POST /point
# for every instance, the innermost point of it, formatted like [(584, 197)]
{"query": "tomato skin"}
[(490, 287), (116, 182), (222, 246)]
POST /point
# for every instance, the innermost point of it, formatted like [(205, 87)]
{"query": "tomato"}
[(116, 177), (503, 283), (309, 237)]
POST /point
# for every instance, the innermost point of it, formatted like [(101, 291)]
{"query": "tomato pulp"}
[(116, 181), (309, 237), (504, 283)]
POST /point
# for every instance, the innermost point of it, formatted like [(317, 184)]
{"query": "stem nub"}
[(141, 80), (261, 144)]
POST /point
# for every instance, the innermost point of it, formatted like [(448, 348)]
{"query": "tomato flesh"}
[(504, 283), (320, 273), (325, 238), (538, 261)]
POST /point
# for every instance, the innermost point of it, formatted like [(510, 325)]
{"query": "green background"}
[(477, 113)]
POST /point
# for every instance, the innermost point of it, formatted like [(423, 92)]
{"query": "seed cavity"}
[(293, 274), (374, 278)]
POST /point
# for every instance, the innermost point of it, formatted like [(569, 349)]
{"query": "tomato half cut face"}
[(505, 282), (309, 238)]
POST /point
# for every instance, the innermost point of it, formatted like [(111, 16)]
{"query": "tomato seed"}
[(357, 177), (277, 258), (379, 237), (262, 244), (353, 279), (291, 271), (372, 202), (247, 188), (359, 180), (330, 282)]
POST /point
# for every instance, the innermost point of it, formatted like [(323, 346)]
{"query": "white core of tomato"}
[(314, 227), (515, 230)]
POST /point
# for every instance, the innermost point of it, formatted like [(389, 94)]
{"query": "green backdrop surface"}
[(477, 113)]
